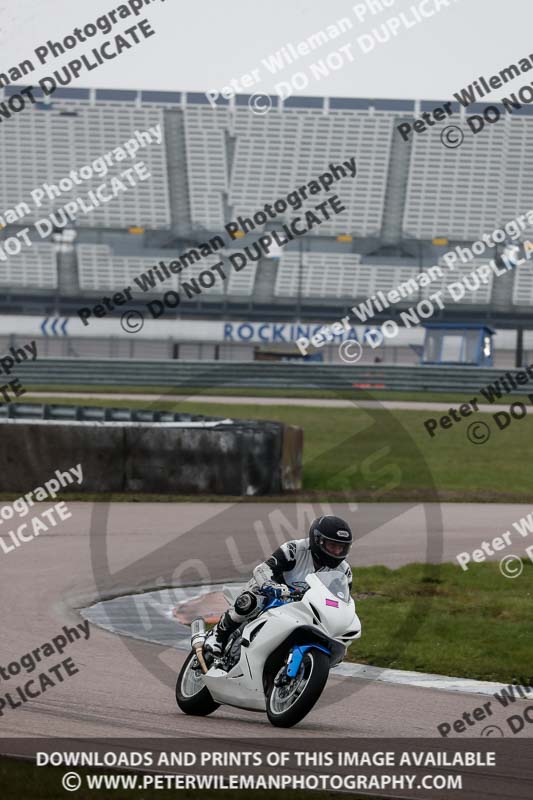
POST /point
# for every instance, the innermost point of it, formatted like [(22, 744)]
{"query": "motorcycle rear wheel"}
[(287, 705), (191, 695)]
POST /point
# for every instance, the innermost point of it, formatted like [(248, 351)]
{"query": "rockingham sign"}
[(235, 332), (198, 331)]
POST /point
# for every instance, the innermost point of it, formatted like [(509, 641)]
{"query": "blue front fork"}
[(297, 655), (298, 651)]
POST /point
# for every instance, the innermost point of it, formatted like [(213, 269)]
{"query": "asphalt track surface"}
[(393, 405), (115, 693)]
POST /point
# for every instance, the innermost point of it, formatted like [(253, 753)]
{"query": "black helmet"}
[(330, 539)]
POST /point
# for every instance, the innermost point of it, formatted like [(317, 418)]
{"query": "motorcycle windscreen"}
[(336, 583)]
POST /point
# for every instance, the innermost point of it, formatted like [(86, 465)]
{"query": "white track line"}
[(421, 680)]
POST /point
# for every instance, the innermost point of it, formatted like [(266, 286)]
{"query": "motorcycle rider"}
[(329, 542)]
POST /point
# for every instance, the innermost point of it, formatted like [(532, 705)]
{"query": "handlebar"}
[(295, 593)]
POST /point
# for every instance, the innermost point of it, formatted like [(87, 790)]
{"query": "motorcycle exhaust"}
[(198, 636)]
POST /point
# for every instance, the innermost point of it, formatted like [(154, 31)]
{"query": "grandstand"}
[(44, 146), (215, 164), (36, 270)]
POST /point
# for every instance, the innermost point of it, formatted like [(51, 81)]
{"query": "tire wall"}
[(243, 458)]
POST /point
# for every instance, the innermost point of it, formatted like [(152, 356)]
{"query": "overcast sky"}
[(203, 44)]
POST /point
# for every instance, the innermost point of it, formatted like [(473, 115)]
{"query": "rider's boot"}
[(219, 635)]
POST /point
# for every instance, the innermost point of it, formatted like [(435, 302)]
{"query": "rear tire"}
[(191, 695), (286, 706)]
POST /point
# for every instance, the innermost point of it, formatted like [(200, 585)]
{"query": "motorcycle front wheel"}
[(289, 703), (191, 694)]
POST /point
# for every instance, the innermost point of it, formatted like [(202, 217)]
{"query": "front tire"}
[(191, 695), (287, 705)]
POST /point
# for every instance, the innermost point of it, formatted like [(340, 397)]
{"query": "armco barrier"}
[(180, 375), (210, 456)]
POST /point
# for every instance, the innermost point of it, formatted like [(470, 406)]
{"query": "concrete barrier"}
[(237, 457), (32, 452)]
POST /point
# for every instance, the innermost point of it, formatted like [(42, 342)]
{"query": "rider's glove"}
[(275, 590)]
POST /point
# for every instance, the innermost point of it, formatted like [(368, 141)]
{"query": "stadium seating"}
[(316, 275), (43, 146), (478, 296), (236, 283), (274, 154), (100, 269), (207, 168), (333, 275), (34, 267), (523, 285), (228, 161), (455, 192), (344, 276), (517, 191)]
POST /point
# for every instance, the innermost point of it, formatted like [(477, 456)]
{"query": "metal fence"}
[(248, 375)]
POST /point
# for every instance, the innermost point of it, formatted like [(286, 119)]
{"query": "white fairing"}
[(328, 593)]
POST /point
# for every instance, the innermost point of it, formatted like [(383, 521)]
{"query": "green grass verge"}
[(23, 780), (337, 466), (475, 624), (319, 394)]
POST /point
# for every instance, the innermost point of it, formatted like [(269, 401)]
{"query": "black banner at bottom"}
[(437, 769)]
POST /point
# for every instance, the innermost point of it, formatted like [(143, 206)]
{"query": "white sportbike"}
[(278, 662)]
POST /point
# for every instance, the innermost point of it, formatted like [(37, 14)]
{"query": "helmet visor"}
[(334, 547)]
